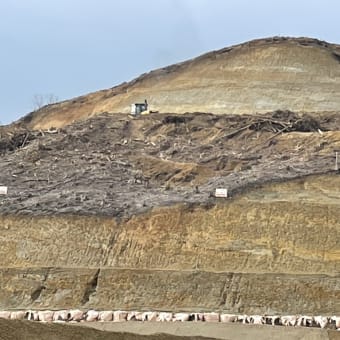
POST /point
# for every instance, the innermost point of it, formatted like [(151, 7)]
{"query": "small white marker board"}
[(3, 190), (223, 193)]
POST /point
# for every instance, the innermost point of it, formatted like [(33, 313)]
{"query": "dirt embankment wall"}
[(275, 249)]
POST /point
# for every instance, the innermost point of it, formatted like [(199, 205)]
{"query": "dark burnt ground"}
[(118, 166)]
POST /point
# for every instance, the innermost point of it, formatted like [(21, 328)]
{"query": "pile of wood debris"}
[(119, 166)]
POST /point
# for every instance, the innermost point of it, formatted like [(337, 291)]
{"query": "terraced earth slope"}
[(298, 74), (118, 213)]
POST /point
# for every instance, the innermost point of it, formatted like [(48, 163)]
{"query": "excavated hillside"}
[(298, 74), (118, 212)]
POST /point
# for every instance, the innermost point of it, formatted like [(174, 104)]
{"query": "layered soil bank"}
[(270, 250)]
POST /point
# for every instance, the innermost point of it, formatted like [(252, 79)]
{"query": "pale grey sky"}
[(71, 47)]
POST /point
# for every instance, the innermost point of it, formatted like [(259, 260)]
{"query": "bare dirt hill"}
[(298, 74), (115, 212)]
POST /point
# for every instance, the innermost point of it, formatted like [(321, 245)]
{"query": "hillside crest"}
[(278, 73)]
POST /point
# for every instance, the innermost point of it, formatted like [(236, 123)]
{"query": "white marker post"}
[(3, 190), (221, 193)]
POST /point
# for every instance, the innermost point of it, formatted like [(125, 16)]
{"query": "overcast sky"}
[(71, 47)]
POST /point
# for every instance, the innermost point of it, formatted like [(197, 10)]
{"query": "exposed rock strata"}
[(272, 250)]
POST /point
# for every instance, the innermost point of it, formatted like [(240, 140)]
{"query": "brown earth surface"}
[(298, 74), (225, 331), (25, 330), (118, 213)]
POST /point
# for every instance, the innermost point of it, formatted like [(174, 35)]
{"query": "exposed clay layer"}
[(191, 291), (290, 227), (272, 249)]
